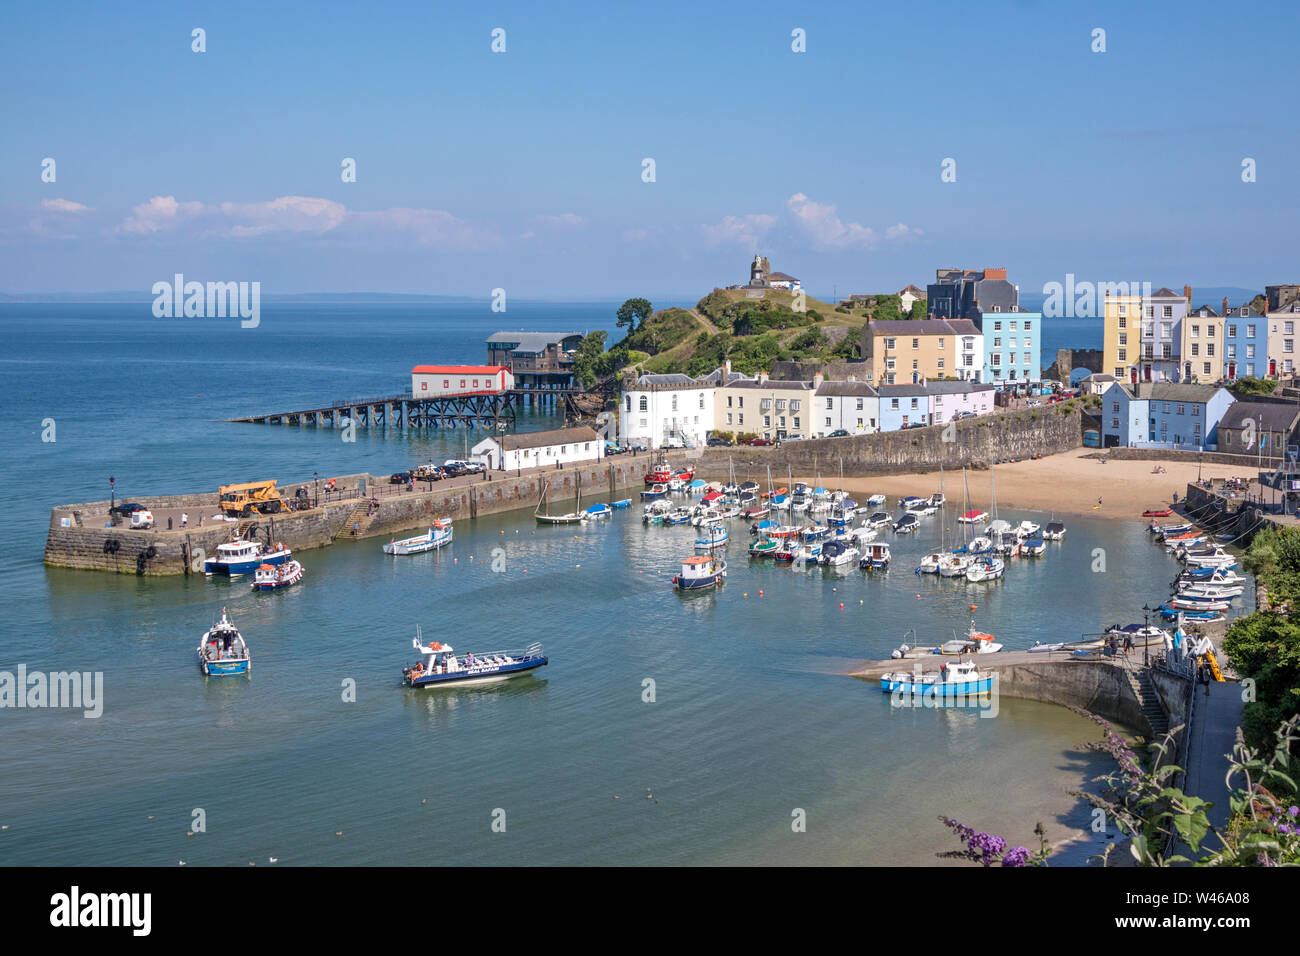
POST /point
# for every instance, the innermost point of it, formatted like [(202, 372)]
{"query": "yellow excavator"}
[(251, 498)]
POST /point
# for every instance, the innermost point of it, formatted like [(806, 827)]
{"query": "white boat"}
[(1217, 592), (222, 650), (1217, 558), (862, 535), (985, 568), (836, 553), (714, 536), (953, 565), (975, 642), (876, 500), (1055, 531), (980, 544), (440, 666), (974, 516), (996, 527), (238, 557), (929, 564), (875, 557), (654, 512), (273, 577), (877, 519), (439, 533), (1027, 529), (954, 679), (1033, 546), (906, 524)]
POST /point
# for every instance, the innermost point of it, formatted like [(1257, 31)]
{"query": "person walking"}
[(1205, 677), (185, 519), (1128, 644)]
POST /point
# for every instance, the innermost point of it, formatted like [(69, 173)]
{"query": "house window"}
[(1196, 411), (1123, 338), (796, 423), (914, 403), (1167, 312), (780, 404), (1181, 410), (767, 421), (728, 401), (1250, 331), (728, 418), (828, 423), (740, 419), (794, 404), (889, 344), (916, 343), (1232, 331), (889, 365), (674, 403), (1250, 350), (644, 405), (701, 399), (941, 341), (859, 408), (1114, 423), (1209, 348), (1206, 368), (997, 326), (1123, 357), (1196, 349), (940, 363), (893, 403), (829, 404), (1209, 331), (1123, 310), (765, 405)]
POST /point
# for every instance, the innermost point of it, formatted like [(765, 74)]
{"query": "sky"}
[(525, 169)]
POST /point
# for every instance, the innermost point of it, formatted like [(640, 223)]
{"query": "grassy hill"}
[(751, 332)]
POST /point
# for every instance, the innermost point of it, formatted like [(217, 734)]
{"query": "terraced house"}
[(851, 406), (1245, 342), (1203, 345), (1282, 323), (1163, 415), (910, 351), (1144, 337), (765, 407)]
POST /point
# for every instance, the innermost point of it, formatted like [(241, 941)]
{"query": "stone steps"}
[(1150, 701)]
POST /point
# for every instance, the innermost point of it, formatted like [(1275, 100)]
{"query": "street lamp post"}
[(315, 477), (112, 492)]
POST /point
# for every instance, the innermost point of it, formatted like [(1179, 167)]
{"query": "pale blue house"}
[(1163, 415), (902, 405)]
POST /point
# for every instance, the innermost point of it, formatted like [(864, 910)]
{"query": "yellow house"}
[(1204, 345), (1121, 336), (765, 407), (907, 351)]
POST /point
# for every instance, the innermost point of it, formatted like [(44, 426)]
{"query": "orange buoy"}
[(974, 607), (841, 605)]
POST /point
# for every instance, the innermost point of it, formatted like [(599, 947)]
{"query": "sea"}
[(701, 729)]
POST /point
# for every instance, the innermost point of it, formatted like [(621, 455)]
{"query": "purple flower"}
[(1294, 811), (1016, 856)]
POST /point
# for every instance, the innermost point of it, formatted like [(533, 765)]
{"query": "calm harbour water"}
[(751, 718)]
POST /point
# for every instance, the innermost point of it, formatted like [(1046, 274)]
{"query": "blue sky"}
[(522, 170)]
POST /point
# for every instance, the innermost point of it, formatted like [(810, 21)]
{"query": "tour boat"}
[(1055, 531), (439, 533), (764, 547), (222, 651), (875, 556), (238, 557), (714, 536), (985, 568), (906, 524), (700, 572), (955, 679), (974, 516), (836, 553), (272, 577), (440, 666)]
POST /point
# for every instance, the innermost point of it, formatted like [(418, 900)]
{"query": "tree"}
[(918, 310), (633, 313), (586, 359)]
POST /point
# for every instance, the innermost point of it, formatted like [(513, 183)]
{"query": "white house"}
[(541, 449), (780, 280), (674, 410), (851, 406), (950, 399)]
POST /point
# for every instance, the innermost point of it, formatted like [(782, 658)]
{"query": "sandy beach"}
[(1068, 483)]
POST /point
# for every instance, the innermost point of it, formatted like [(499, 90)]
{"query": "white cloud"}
[(63, 205), (564, 219), (738, 230), (635, 235), (902, 232), (291, 214), (160, 212), (824, 228)]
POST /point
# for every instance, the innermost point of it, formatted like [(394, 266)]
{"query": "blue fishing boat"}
[(654, 492), (700, 573), (957, 679), (440, 666), (237, 557), (712, 536), (815, 532), (597, 512), (222, 651), (621, 503)]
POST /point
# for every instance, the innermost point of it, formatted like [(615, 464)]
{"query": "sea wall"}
[(971, 443), (1098, 687), (80, 536)]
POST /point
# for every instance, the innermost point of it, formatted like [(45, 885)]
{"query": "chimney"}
[(1225, 306), (818, 378), (726, 369), (1187, 294)]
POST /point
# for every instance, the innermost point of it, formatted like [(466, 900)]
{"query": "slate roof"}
[(861, 389), (558, 436), (530, 341), (1277, 416)]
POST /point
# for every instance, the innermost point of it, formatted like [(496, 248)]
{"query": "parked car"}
[(838, 433), (638, 446), (399, 477), (126, 508), (142, 518), (454, 469), (719, 443), (761, 441), (475, 467), (962, 416)]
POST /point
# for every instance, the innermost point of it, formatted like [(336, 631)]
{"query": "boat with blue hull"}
[(440, 533), (237, 557), (222, 651), (700, 573), (954, 680), (440, 666)]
